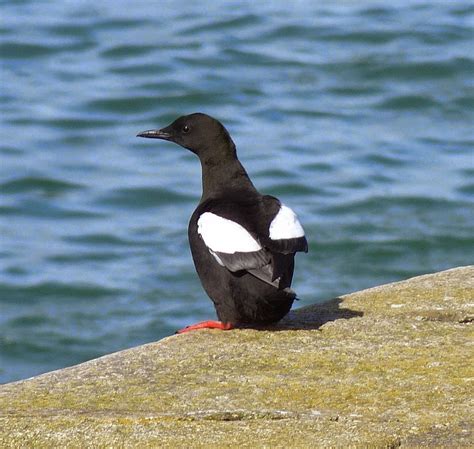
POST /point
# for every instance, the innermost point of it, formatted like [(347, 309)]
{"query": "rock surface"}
[(390, 366)]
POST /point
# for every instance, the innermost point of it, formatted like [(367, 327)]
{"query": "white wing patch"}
[(285, 225), (225, 236)]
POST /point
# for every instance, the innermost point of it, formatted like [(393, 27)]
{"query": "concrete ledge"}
[(389, 366)]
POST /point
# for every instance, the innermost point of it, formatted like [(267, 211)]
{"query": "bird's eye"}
[(185, 129)]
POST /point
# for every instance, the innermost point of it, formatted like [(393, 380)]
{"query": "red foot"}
[(207, 325)]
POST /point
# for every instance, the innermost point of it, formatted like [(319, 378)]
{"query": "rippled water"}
[(357, 114)]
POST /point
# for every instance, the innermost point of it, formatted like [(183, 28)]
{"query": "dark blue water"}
[(357, 114)]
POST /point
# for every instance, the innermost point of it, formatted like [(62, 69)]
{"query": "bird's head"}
[(199, 133)]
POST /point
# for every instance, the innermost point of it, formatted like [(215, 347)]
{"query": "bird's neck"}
[(224, 177)]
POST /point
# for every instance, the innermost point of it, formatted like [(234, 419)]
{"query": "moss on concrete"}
[(388, 366)]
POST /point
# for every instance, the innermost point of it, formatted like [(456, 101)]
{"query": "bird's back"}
[(247, 279)]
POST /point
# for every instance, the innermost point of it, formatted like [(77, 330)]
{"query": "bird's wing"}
[(265, 247), (285, 234), (233, 246)]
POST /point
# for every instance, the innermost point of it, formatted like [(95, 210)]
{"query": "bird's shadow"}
[(312, 317)]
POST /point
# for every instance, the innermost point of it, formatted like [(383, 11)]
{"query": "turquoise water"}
[(357, 114)]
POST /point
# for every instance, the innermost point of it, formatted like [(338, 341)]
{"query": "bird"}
[(243, 243)]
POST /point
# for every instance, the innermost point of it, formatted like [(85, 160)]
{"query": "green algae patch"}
[(384, 367)]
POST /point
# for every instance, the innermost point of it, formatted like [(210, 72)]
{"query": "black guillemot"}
[(243, 243)]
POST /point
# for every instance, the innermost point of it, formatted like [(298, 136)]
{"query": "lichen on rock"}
[(388, 366)]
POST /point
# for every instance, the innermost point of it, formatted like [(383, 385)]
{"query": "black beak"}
[(155, 134)]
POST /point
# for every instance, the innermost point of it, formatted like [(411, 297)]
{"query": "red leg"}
[(207, 325)]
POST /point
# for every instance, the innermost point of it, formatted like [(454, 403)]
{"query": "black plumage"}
[(243, 243)]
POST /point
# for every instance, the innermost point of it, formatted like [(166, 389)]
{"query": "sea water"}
[(358, 115)]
